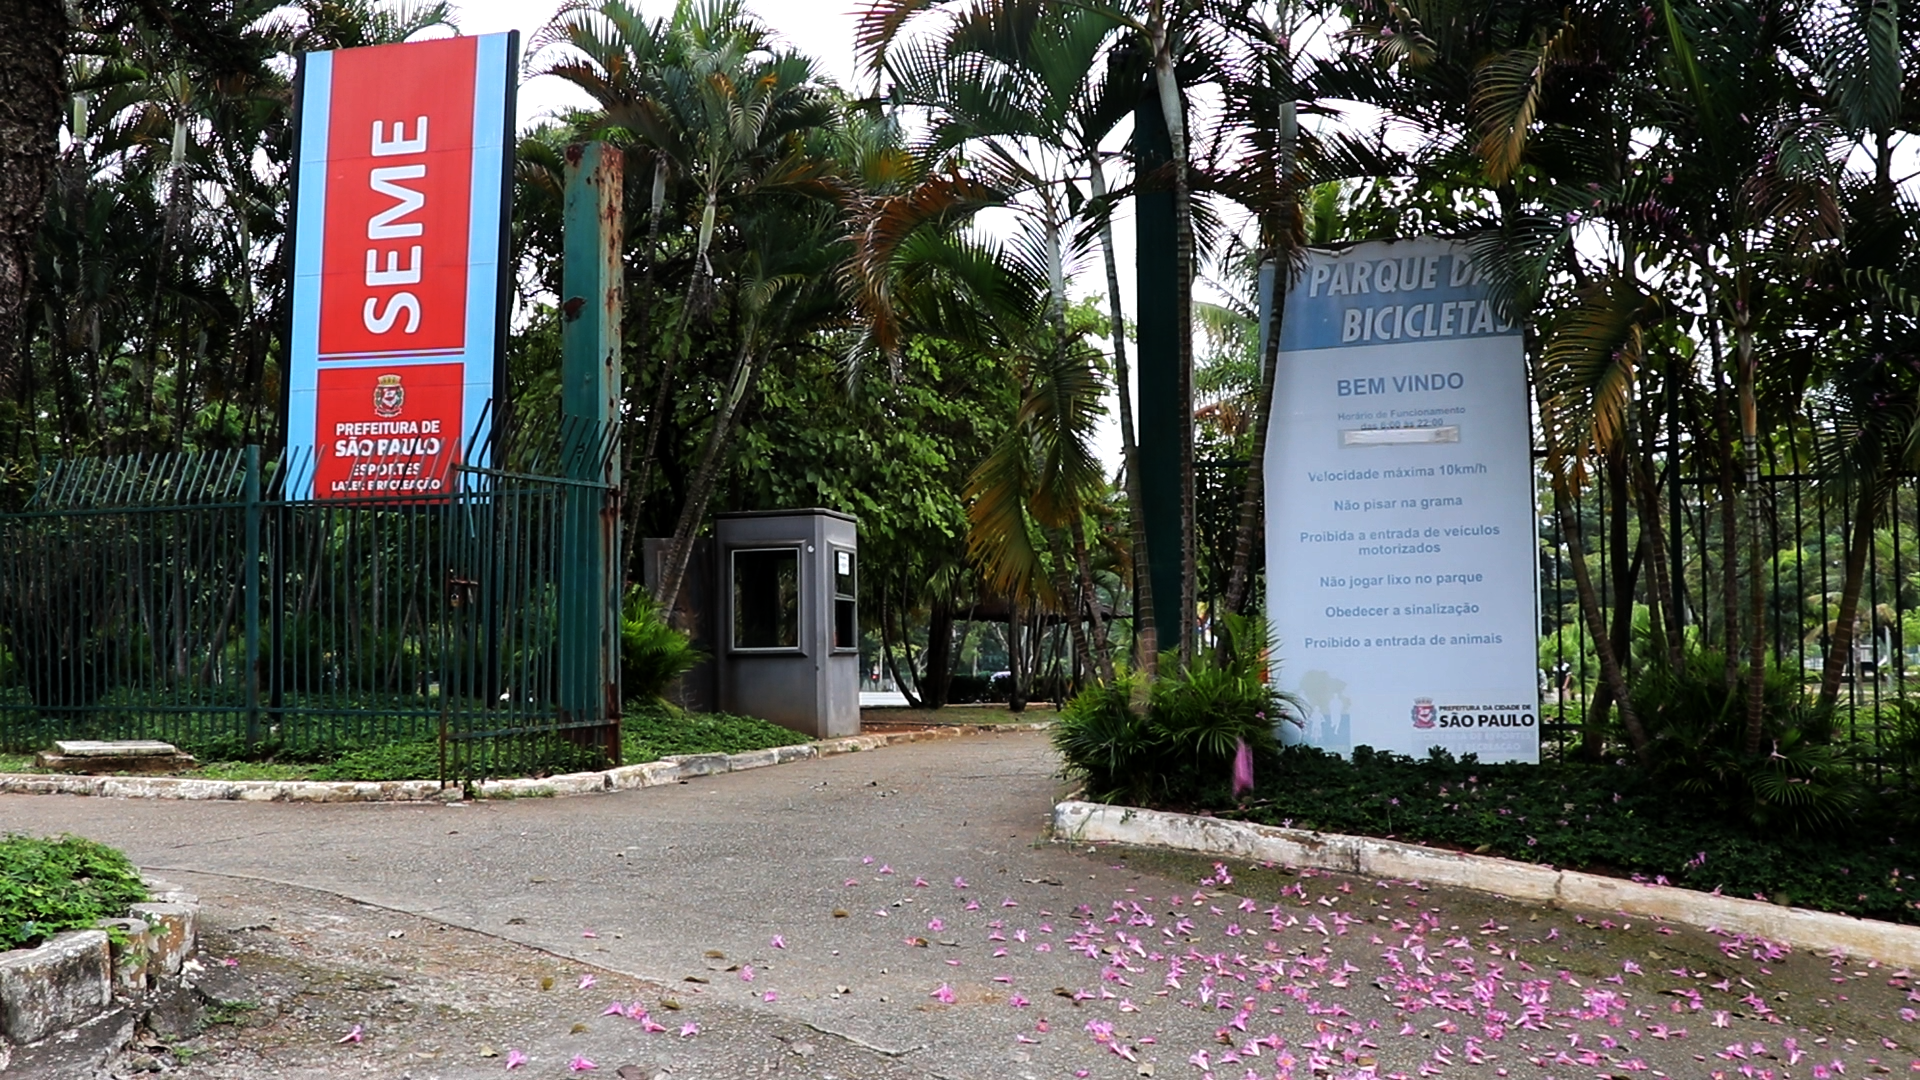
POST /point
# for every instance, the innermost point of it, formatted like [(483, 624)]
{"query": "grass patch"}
[(649, 734), (49, 886), (960, 714), (1601, 818)]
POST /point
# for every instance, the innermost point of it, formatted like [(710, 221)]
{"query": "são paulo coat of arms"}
[(1423, 713), (388, 396)]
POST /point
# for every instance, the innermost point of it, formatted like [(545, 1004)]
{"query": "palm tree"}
[(1037, 483), (1018, 90), (783, 291), (705, 102), (708, 103)]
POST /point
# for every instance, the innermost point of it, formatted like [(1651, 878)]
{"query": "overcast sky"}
[(823, 29)]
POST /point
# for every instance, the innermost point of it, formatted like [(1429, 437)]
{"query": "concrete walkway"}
[(905, 901)]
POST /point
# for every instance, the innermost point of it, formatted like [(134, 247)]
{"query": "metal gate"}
[(187, 597)]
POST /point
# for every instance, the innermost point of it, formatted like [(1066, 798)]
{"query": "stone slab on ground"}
[(126, 756), (65, 980), (88, 1051), (98, 748)]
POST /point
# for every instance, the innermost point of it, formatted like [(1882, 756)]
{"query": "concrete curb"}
[(668, 770), (72, 978), (1818, 931)]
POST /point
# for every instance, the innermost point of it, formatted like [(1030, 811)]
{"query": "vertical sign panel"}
[(399, 241), (1400, 524)]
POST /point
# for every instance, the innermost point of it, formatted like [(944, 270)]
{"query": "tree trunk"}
[(642, 470), (663, 394), (939, 656), (1729, 513), (1625, 576), (1016, 673), (1281, 247), (1090, 596), (1167, 83), (1590, 609), (886, 652), (1840, 642), (694, 511), (1756, 561), (1253, 495), (1146, 642), (33, 55), (1668, 617), (1070, 600)]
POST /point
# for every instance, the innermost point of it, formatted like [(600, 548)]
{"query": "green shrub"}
[(49, 886), (1178, 744), (1801, 780), (652, 654)]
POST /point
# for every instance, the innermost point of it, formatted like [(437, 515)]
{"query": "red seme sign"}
[(399, 177)]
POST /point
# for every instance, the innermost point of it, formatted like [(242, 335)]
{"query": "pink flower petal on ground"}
[(1018, 1002), (352, 1036), (943, 994), (746, 973), (587, 981), (885, 869), (580, 1063), (615, 1009), (959, 883), (778, 942), (588, 934), (919, 883), (515, 1059), (936, 924), (689, 1030), (771, 995)]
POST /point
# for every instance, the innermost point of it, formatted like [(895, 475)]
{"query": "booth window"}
[(846, 623), (766, 598)]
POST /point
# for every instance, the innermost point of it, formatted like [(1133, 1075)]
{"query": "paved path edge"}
[(1818, 931), (668, 770)]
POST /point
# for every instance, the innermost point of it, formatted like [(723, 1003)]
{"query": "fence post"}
[(250, 577), (591, 285)]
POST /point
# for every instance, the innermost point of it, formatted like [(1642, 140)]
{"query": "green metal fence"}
[(190, 598)]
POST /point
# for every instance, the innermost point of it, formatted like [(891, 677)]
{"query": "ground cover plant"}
[(49, 886), (655, 733), (649, 731), (1605, 818), (1811, 818)]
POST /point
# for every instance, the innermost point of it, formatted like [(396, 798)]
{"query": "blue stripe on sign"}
[(483, 234), (316, 108), (1423, 293)]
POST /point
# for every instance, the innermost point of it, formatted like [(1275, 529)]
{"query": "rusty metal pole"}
[(590, 416)]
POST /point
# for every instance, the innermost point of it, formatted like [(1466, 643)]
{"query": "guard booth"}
[(786, 618)]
